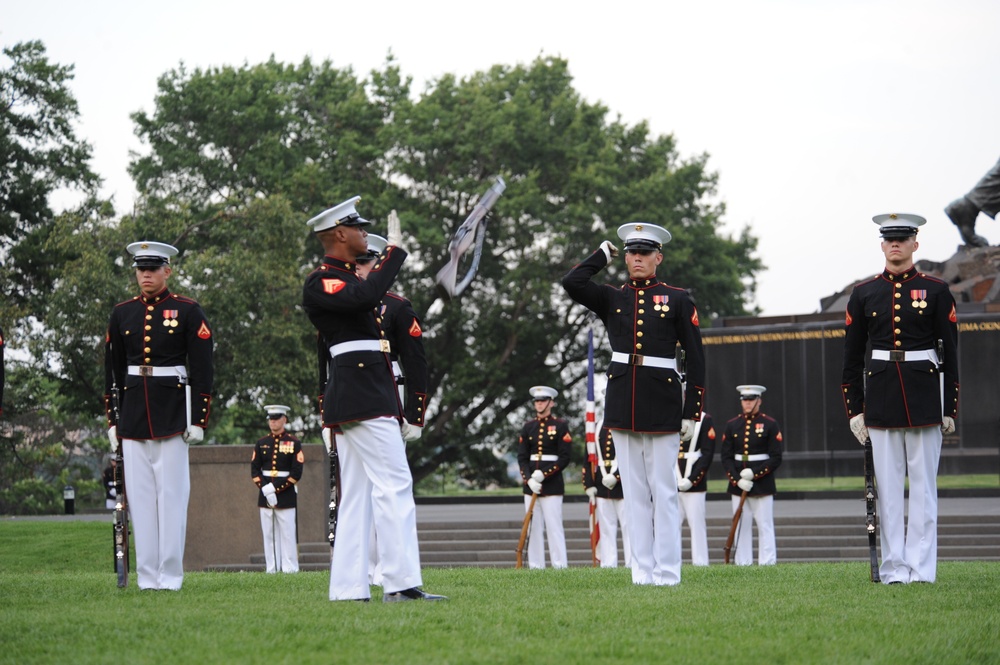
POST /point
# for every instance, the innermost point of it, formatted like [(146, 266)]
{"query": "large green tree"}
[(39, 154), (223, 136), (573, 177), (46, 426), (238, 158)]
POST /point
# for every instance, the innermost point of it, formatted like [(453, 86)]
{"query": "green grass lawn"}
[(61, 605)]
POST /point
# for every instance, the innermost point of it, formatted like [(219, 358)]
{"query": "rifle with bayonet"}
[(472, 230), (871, 520), (120, 526)]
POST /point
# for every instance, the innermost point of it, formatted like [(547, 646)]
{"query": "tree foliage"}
[(238, 158), (39, 153)]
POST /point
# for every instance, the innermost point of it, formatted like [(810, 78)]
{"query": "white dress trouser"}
[(550, 526), (693, 511), (759, 510), (909, 556), (281, 552), (646, 463), (374, 565), (158, 486), (610, 513), (375, 484)]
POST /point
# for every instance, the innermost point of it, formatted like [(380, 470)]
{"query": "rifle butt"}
[(728, 548), (524, 532)]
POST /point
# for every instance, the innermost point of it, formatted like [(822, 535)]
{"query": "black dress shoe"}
[(410, 594)]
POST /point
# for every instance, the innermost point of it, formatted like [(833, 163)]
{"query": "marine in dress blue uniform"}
[(603, 485), (751, 451), (158, 351), (905, 396), (645, 408), (276, 468), (404, 331), (543, 451), (360, 400), (693, 462)]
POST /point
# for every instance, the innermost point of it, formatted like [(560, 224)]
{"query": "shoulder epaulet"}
[(126, 302), (933, 278)]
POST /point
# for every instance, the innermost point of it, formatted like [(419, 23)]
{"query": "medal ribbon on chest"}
[(170, 318), (919, 297), (660, 303)]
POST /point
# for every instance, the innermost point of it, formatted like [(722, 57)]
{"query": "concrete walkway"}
[(714, 508), (513, 510)]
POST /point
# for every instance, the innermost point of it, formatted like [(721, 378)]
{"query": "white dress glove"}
[(684, 484), (687, 429), (746, 474), (744, 484), (395, 233), (609, 250), (409, 432), (193, 434), (591, 492), (538, 476), (535, 486), (270, 495), (859, 429), (947, 425), (113, 438), (327, 434), (609, 481)]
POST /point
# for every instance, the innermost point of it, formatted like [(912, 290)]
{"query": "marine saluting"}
[(645, 407), (361, 405)]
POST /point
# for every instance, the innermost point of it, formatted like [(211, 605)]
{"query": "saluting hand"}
[(609, 250)]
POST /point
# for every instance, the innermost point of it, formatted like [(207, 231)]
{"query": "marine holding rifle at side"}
[(907, 396), (751, 453), (276, 468), (159, 359), (543, 452)]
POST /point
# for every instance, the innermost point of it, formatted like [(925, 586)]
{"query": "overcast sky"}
[(816, 115)]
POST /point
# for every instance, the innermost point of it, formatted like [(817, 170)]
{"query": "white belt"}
[(905, 356), (149, 370), (752, 458), (544, 458), (694, 457), (381, 345), (397, 370), (276, 474), (649, 361)]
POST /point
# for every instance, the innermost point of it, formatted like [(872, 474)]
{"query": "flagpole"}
[(590, 427)]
